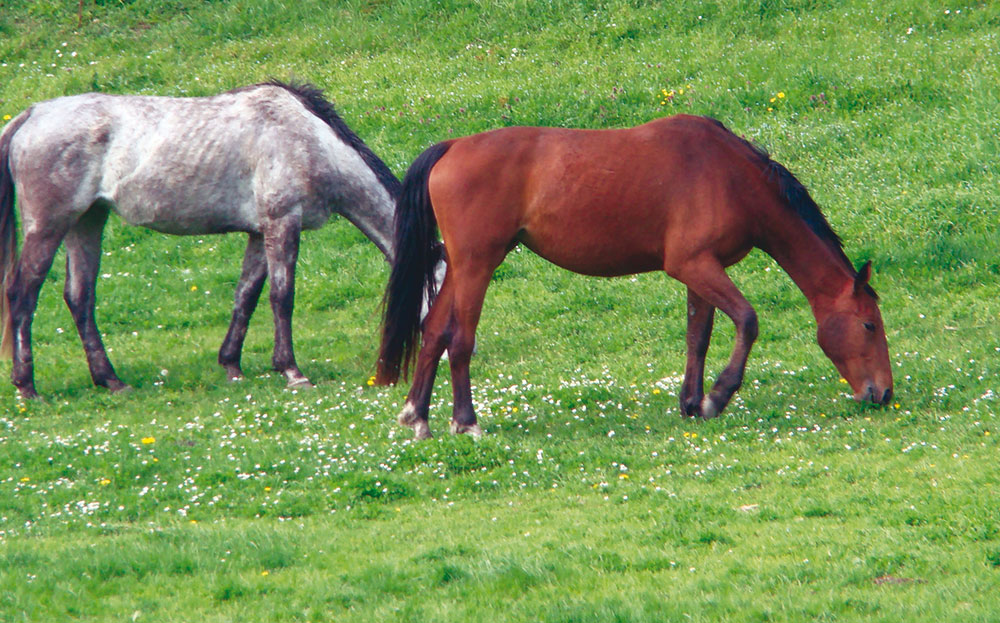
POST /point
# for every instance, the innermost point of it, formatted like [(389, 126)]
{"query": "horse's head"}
[(851, 333)]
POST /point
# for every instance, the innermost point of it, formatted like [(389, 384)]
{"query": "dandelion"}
[(148, 440), (772, 100), (25, 479), (105, 482), (370, 381), (656, 390), (194, 288), (265, 572), (623, 476), (6, 117), (267, 488), (781, 95), (843, 380)]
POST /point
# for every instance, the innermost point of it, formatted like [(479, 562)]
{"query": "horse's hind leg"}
[(248, 291), (470, 292), (700, 317), (22, 293), (281, 247), (83, 260), (709, 281), (437, 331)]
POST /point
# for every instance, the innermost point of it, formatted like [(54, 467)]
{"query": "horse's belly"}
[(601, 257), (188, 218)]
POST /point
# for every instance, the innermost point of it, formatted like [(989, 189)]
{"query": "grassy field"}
[(590, 498)]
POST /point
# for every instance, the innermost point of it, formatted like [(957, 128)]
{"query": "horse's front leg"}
[(281, 248), (248, 290), (700, 317), (709, 281)]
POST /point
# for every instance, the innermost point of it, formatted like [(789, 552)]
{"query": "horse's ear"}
[(863, 276)]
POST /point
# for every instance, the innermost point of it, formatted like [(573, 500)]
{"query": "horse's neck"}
[(371, 206), (813, 264)]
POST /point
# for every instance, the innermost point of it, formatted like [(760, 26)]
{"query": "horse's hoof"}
[(408, 416), (690, 408), (709, 409), (299, 382), (120, 388), (470, 429), (422, 430), (28, 393)]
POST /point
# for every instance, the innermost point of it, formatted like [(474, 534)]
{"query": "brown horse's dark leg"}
[(83, 261), (22, 293), (709, 280), (281, 247), (469, 295), (248, 291), (438, 328), (700, 317)]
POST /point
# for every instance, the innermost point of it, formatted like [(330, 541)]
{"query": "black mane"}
[(312, 98), (797, 197)]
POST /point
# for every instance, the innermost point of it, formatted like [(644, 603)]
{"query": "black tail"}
[(412, 278), (8, 234)]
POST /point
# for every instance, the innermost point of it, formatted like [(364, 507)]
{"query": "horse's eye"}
[(870, 326)]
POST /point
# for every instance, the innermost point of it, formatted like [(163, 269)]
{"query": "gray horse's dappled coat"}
[(269, 160)]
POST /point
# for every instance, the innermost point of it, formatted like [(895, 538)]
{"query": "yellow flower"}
[(25, 479), (843, 380), (148, 440), (370, 381), (656, 390), (781, 95), (680, 92), (194, 288), (265, 572), (769, 109), (194, 521), (267, 488), (623, 476), (687, 434), (105, 481), (986, 433), (694, 435), (895, 406), (6, 117), (514, 409)]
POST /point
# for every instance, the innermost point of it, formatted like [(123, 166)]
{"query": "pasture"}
[(589, 498)]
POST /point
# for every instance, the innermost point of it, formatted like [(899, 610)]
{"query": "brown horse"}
[(683, 195)]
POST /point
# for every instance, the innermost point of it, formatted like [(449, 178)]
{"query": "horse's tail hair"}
[(417, 252), (8, 233)]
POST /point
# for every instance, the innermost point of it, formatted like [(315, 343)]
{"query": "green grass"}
[(589, 499)]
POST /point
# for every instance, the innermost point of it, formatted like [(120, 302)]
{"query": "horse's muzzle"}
[(873, 394)]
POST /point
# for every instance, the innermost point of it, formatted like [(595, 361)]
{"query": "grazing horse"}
[(683, 195), (269, 160)]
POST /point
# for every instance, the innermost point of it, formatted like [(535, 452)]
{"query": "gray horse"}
[(269, 160)]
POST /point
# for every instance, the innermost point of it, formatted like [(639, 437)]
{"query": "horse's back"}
[(602, 202), (178, 165)]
